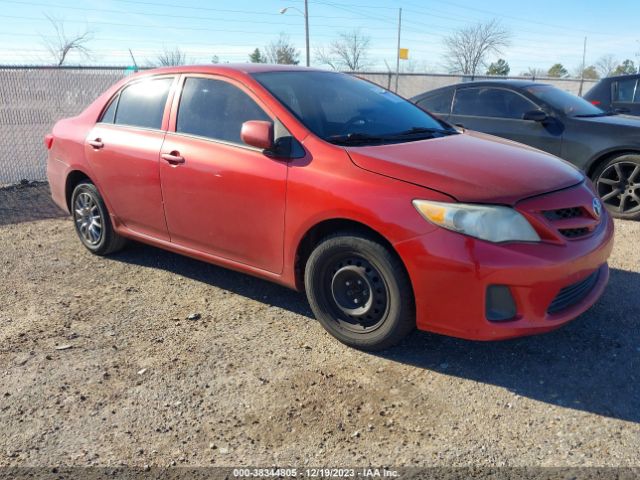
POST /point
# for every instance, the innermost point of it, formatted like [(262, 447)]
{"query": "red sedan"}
[(387, 217)]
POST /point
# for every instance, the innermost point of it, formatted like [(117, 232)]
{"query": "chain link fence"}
[(32, 99)]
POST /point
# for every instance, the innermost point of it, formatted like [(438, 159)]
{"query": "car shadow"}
[(27, 202), (591, 364)]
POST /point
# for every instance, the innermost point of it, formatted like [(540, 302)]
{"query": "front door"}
[(123, 150), (499, 111), (221, 196)]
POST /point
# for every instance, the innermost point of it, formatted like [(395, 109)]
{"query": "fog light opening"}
[(500, 305)]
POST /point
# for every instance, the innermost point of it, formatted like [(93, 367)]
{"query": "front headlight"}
[(494, 223)]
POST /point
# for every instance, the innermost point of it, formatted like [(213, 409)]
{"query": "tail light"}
[(596, 102), (48, 141)]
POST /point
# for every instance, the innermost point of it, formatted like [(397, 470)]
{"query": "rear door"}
[(123, 149), (499, 111), (625, 95), (222, 197)]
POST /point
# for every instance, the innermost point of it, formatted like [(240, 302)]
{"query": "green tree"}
[(557, 70), (625, 68), (590, 73), (257, 57), (501, 67)]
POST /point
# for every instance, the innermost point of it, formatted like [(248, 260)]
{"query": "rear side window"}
[(491, 102), (438, 103), (215, 109), (109, 114), (626, 91), (142, 104)]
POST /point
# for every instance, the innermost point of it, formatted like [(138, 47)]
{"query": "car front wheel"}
[(618, 184), (92, 222), (360, 292)]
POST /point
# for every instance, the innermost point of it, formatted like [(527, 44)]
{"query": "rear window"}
[(142, 104)]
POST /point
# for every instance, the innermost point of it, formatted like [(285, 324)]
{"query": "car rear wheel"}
[(618, 184), (92, 222), (360, 291)]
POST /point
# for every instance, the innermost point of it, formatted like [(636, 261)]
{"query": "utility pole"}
[(584, 65), (398, 49), (134, 60), (306, 28)]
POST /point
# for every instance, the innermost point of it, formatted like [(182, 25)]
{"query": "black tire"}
[(92, 221), (383, 312), (617, 182)]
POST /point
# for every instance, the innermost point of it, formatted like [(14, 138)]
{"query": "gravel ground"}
[(100, 365)]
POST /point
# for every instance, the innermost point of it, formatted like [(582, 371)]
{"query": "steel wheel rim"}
[(88, 218), (619, 187), (357, 307)]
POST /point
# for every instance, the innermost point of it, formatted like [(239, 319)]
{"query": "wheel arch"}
[(603, 157), (314, 235), (74, 177)]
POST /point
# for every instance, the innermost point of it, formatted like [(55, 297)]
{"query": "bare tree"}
[(349, 52), (606, 65), (171, 58), (282, 51), (468, 47), (62, 44)]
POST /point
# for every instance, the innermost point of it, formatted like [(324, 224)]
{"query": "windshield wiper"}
[(415, 133), (421, 130), (354, 139)]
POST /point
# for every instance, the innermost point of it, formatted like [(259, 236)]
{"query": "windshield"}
[(346, 110), (571, 105)]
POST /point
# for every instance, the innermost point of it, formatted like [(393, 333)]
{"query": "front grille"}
[(563, 213), (564, 219), (573, 294), (574, 232)]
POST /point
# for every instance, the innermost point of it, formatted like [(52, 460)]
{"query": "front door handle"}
[(174, 158), (97, 143)]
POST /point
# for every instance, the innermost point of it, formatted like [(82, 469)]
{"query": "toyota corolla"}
[(387, 217)]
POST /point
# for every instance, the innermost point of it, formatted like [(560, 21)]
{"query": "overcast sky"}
[(543, 31)]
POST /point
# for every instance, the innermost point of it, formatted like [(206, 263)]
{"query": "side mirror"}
[(535, 116), (257, 133)]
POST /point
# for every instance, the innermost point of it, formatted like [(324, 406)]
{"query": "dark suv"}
[(618, 94)]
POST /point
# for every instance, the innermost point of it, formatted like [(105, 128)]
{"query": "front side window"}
[(215, 109), (142, 103), (626, 91), (343, 109), (438, 103), (491, 102)]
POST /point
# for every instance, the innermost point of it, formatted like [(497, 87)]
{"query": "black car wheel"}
[(360, 291), (618, 184), (92, 222)]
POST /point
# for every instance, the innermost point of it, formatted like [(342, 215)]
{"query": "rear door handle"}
[(174, 158), (97, 143)]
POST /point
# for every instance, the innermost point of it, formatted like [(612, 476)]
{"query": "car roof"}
[(227, 68), (621, 77), (513, 83)]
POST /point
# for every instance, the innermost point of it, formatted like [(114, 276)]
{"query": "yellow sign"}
[(404, 54)]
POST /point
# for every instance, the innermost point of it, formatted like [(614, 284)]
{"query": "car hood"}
[(471, 167), (614, 120)]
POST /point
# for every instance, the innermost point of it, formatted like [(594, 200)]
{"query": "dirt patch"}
[(101, 366)]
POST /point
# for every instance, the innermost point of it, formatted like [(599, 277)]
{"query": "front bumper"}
[(450, 274)]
